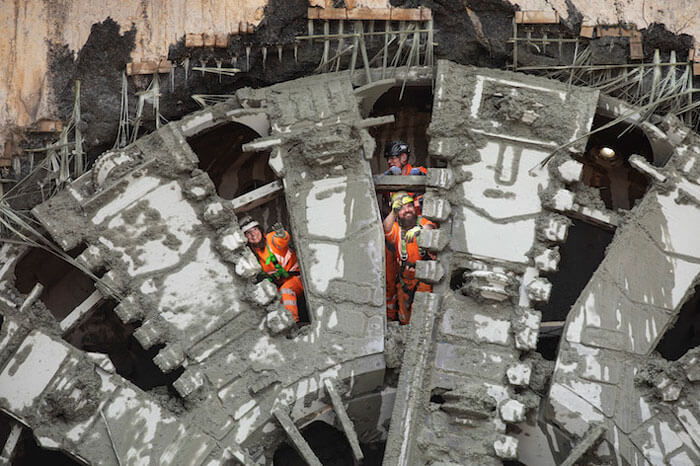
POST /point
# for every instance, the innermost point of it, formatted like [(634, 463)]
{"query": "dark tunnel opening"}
[(581, 254), (103, 332), (330, 446), (27, 451), (65, 286), (412, 113), (233, 171), (606, 165), (684, 335)]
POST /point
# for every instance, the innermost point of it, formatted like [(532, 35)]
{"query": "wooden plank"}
[(312, 13), (345, 422), (297, 439), (587, 31), (367, 14), (609, 31), (426, 14), (374, 121), (8, 451), (593, 434), (47, 126), (239, 455), (148, 67), (31, 297), (552, 324), (536, 17), (194, 40), (405, 14), (630, 32), (333, 13), (261, 144), (415, 183), (696, 68), (221, 40), (257, 197), (209, 39), (81, 312), (636, 49)]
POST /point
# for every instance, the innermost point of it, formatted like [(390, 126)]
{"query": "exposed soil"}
[(469, 32), (98, 66), (100, 63)]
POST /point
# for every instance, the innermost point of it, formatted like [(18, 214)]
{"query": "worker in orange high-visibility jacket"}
[(402, 229), (397, 154), (278, 261)]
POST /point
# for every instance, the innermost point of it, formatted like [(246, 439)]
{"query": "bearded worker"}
[(278, 261), (402, 228), (397, 154)]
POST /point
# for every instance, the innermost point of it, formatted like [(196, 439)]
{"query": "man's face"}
[(407, 214), (254, 236), (397, 160)]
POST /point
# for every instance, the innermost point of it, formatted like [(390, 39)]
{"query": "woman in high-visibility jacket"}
[(402, 229), (277, 260)]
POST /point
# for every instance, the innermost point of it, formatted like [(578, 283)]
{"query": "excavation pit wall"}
[(72, 42), (177, 262)]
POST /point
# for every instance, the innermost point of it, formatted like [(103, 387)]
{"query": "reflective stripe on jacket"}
[(407, 252)]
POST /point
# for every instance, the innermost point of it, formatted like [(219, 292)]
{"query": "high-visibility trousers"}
[(291, 289), (407, 290), (391, 276)]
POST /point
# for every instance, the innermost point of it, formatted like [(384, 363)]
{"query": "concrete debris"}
[(570, 171), (670, 391), (396, 338), (692, 368), (506, 447), (497, 285), (519, 374), (512, 411), (279, 320)]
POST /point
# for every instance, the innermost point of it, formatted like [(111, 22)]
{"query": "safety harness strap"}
[(411, 292), (402, 238), (280, 271)]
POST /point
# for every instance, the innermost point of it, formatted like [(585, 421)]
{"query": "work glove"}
[(396, 205), (416, 171), (279, 230), (393, 171), (412, 233)]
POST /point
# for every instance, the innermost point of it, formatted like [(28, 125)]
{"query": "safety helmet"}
[(247, 223), (395, 149), (404, 196)]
